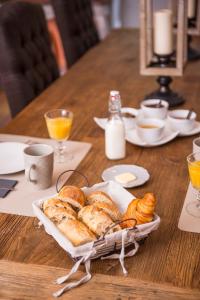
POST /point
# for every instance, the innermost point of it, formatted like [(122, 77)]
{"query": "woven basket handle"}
[(59, 177)]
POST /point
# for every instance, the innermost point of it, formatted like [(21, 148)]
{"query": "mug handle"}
[(131, 111), (29, 174)]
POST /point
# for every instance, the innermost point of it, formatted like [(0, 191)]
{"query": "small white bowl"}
[(150, 135), (150, 111), (177, 120)]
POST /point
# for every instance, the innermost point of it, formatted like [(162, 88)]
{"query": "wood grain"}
[(169, 256), (22, 280)]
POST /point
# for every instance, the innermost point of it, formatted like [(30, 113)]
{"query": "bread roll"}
[(99, 196), (57, 214), (97, 220), (72, 195), (76, 232), (110, 209), (55, 202)]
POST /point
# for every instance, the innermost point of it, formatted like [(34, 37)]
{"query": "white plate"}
[(11, 157), (129, 122), (141, 174), (194, 131), (167, 136)]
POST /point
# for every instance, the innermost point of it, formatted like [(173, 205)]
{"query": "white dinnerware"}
[(154, 108), (193, 131), (150, 130), (11, 157), (167, 136), (196, 145), (178, 120), (39, 160), (128, 122), (140, 173)]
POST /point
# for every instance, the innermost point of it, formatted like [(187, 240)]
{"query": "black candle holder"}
[(164, 92), (193, 54)]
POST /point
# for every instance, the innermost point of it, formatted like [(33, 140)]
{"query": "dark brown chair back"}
[(77, 28), (27, 64)]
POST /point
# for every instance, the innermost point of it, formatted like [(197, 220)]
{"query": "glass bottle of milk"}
[(115, 144)]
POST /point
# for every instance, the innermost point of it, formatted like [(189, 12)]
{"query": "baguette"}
[(76, 232), (97, 220), (55, 202), (110, 209), (99, 196), (57, 214)]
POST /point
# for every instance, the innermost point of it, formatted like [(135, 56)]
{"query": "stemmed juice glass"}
[(193, 208), (59, 123)]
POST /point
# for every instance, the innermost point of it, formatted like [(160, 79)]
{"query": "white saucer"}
[(194, 131), (11, 157), (101, 122), (167, 136), (141, 174)]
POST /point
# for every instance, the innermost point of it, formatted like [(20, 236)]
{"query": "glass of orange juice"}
[(193, 208), (59, 123)]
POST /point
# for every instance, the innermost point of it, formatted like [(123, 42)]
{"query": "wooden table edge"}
[(21, 280)]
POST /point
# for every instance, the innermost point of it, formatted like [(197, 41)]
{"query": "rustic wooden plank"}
[(169, 256), (22, 281)]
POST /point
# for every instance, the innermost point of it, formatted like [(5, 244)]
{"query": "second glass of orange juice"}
[(193, 159), (59, 123)]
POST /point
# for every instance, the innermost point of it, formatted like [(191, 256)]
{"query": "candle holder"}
[(193, 26), (163, 66), (164, 92), (194, 30)]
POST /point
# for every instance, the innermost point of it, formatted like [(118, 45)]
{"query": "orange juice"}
[(59, 128), (194, 171)]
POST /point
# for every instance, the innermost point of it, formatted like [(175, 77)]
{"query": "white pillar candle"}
[(191, 8), (163, 32)]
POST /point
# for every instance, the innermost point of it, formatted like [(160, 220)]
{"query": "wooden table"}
[(167, 266)]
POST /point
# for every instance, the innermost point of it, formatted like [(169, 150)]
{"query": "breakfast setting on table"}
[(90, 222), (107, 181)]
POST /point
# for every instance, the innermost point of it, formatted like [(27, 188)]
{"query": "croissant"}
[(130, 214), (147, 204), (142, 210)]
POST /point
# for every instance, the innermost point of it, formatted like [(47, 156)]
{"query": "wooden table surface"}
[(167, 266)]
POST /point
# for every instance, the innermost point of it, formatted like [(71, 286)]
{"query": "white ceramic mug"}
[(148, 134), (39, 165), (178, 120), (196, 145), (149, 109)]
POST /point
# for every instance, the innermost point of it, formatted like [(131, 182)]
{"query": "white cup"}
[(196, 145), (149, 109), (150, 130), (178, 122), (39, 165)]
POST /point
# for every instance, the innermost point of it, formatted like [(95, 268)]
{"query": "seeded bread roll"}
[(55, 202), (57, 214), (110, 209), (72, 195), (76, 232), (97, 220), (99, 196)]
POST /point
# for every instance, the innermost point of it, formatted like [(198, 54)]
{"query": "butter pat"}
[(125, 178)]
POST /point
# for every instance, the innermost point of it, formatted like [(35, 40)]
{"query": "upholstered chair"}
[(77, 28), (27, 64)]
